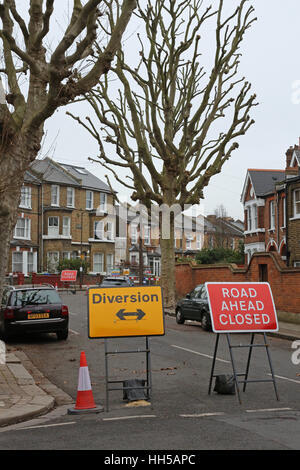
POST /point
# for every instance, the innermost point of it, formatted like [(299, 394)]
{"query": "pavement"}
[(25, 393)]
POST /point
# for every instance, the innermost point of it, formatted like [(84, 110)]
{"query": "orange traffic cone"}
[(85, 400)]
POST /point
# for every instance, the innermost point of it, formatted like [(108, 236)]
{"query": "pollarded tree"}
[(39, 80), (178, 114)]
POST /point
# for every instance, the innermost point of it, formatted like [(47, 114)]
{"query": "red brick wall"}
[(54, 279), (284, 282)]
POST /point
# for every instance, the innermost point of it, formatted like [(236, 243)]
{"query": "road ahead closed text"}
[(125, 311), (241, 307)]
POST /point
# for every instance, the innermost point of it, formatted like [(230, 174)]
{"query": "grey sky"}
[(271, 63)]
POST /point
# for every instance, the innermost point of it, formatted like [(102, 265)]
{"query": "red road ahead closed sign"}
[(241, 307), (68, 275)]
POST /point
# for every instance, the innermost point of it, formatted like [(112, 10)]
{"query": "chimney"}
[(289, 154)]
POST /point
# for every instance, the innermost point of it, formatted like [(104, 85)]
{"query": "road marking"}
[(74, 332), (48, 425), (286, 378), (199, 354), (128, 417), (202, 415), (268, 409)]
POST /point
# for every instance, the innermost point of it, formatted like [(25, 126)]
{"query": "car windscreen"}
[(21, 298)]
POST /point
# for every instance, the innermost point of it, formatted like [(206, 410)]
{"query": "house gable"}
[(295, 159), (248, 189)]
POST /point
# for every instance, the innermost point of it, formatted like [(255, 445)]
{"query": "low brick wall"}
[(284, 282)]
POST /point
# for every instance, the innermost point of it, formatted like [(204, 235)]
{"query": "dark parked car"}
[(194, 306), (116, 281), (33, 309)]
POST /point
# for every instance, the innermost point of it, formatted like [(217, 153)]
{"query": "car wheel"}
[(179, 317), (4, 335), (63, 334), (205, 323)]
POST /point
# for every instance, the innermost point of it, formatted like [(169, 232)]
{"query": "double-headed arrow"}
[(122, 314)]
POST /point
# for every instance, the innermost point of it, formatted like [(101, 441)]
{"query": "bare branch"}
[(169, 103)]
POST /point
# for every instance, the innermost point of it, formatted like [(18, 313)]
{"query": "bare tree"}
[(164, 123), (38, 81)]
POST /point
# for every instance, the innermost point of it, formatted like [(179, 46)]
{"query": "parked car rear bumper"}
[(36, 326)]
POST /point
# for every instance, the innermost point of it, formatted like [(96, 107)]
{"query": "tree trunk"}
[(166, 227), (15, 159), (168, 272)]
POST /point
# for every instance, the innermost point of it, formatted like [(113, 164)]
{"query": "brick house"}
[(68, 219), (292, 193), (262, 232), (223, 232), (24, 246), (272, 212)]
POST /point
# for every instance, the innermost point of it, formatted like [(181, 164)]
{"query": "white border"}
[(241, 331)]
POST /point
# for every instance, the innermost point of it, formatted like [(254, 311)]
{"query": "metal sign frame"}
[(251, 345), (246, 373), (148, 385), (119, 314)]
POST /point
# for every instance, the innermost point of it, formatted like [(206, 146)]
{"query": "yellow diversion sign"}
[(125, 311)]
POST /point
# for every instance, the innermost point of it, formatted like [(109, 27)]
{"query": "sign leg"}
[(271, 367), (233, 368), (248, 361), (149, 376), (213, 364), (106, 373)]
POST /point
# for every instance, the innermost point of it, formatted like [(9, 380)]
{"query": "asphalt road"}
[(182, 416)]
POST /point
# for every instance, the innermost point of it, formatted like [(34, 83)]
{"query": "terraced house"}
[(63, 215), (271, 199)]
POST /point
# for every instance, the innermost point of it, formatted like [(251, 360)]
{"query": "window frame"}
[(20, 255), (272, 215), (147, 235), (25, 200), (71, 190), (98, 232), (101, 264), (91, 200), (68, 225), (134, 233), (103, 204), (295, 213), (56, 203), (27, 229), (53, 217)]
